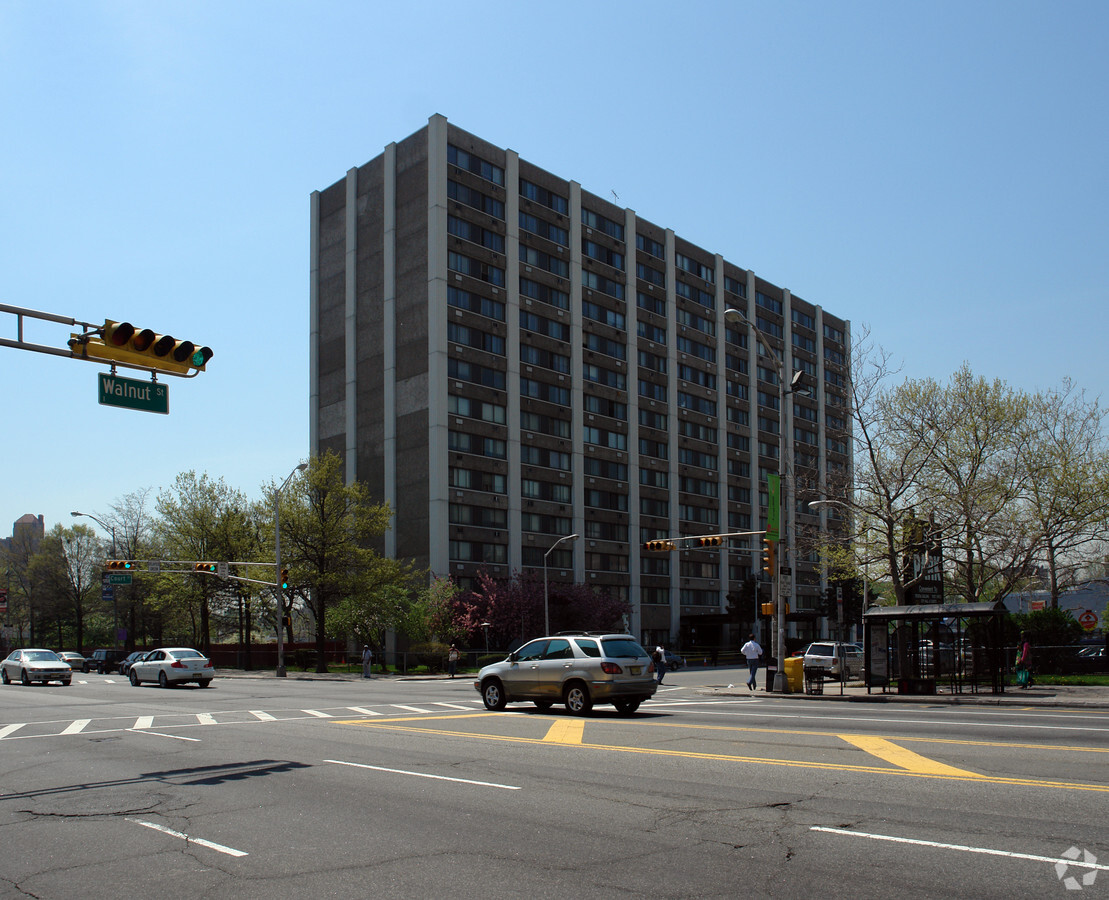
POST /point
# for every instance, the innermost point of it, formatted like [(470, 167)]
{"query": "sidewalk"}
[(1047, 695)]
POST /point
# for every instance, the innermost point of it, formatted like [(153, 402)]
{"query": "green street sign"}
[(130, 393), (119, 578)]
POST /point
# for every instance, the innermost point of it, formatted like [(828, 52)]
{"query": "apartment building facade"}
[(509, 360)]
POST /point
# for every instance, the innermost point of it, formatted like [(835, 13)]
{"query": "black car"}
[(1092, 659), (103, 661), (125, 664)]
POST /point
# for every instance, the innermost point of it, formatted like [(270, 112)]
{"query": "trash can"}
[(771, 671), (795, 673), (814, 680)]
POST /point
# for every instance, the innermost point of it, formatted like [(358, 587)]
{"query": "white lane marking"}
[(506, 787), (205, 719), (987, 851), (318, 714), (417, 709), (176, 737), (76, 726), (8, 729), (200, 842), (454, 706), (263, 716), (363, 712), (143, 722)]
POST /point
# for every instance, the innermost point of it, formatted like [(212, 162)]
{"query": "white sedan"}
[(173, 665), (30, 666)]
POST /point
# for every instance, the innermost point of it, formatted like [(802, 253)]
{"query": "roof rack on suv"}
[(580, 633)]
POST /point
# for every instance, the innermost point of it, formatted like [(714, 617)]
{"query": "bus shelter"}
[(955, 647)]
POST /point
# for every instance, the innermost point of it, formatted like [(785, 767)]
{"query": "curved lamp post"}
[(546, 608), (280, 672), (736, 317), (115, 604)]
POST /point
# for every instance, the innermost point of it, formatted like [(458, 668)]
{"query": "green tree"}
[(328, 528), (68, 568)]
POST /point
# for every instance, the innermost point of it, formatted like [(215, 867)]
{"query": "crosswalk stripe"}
[(8, 729), (363, 712), (318, 714), (144, 722), (76, 726), (205, 719), (452, 705), (409, 708), (264, 716)]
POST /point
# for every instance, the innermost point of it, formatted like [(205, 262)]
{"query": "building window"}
[(697, 376), (471, 163), (475, 200), (598, 222), (537, 356), (475, 268), (600, 375), (475, 409), (599, 344), (696, 348), (544, 229), (540, 390), (543, 196), (475, 374), (605, 468), (646, 273), (689, 457), (689, 264), (697, 404), (602, 254), (651, 332), (560, 331), (483, 306), (651, 419), (535, 422), (598, 313), (596, 282), (473, 551), (692, 320), (651, 246), (656, 478), (481, 516), (471, 479), (735, 286), (548, 262), (603, 406), (768, 302), (476, 338), (475, 234)]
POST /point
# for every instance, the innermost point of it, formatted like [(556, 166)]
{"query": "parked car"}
[(578, 670), (673, 661), (30, 666), (172, 666), (73, 660), (834, 658), (103, 661), (125, 664), (1090, 659)]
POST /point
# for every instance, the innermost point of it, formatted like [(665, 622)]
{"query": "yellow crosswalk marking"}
[(905, 759), (565, 731)]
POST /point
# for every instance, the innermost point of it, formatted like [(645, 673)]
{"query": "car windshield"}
[(820, 650), (42, 656), (618, 648), (187, 654)]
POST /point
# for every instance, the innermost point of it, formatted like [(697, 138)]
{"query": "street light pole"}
[(280, 672), (115, 604), (735, 316), (546, 608)]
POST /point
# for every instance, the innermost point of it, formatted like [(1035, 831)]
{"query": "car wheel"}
[(134, 678), (85, 668), (543, 704), (65, 683), (204, 682), (492, 695), (626, 707), (4, 676), (23, 679), (162, 680), (577, 699)]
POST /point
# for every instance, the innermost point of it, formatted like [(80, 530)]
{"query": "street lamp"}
[(736, 317), (280, 672), (115, 604), (546, 610)]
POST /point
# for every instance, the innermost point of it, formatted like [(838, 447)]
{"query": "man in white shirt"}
[(752, 651)]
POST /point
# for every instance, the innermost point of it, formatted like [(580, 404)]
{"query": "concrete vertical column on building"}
[(314, 325), (672, 432), (789, 470), (437, 418), (512, 349), (724, 524), (635, 539), (753, 425), (350, 327), (389, 339), (577, 379)]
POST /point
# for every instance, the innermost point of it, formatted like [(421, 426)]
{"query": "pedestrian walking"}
[(367, 661), (752, 651), (659, 656), (452, 660)]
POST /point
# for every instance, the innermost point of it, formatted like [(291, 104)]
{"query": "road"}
[(387, 788)]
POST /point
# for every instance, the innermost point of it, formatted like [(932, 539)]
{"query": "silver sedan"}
[(171, 666), (30, 666)]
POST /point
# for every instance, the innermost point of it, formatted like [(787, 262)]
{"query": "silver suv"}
[(834, 658), (577, 669)]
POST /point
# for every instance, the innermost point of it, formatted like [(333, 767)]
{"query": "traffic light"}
[(284, 579), (712, 541), (204, 567), (767, 609), (122, 342), (117, 564), (658, 546), (768, 556)]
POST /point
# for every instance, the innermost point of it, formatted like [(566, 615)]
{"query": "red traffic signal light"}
[(711, 541)]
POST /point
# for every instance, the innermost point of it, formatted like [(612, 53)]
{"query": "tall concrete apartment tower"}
[(508, 360)]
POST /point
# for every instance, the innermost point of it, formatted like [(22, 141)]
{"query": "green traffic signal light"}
[(284, 579)]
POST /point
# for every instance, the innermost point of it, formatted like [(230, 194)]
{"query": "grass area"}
[(1089, 680)]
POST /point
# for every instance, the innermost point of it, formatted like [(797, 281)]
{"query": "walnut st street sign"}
[(130, 393)]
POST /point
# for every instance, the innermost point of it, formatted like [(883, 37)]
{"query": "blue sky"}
[(934, 172)]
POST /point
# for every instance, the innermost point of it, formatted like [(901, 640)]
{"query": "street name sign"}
[(119, 578), (130, 393)]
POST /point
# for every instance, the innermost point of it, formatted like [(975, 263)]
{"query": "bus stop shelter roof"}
[(937, 611)]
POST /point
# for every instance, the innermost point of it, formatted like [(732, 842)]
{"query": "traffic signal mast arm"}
[(695, 540), (155, 567), (115, 343)]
